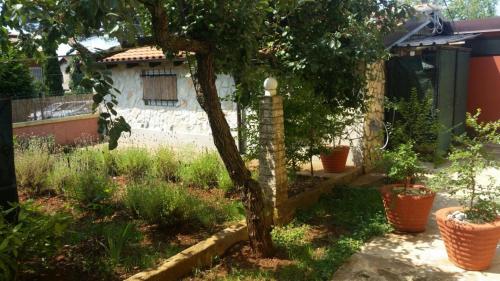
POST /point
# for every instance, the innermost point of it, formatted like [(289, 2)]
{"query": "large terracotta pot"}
[(469, 246), (407, 213), (335, 161)]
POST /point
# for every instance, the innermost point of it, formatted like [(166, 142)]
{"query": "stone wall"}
[(176, 125), (374, 119)]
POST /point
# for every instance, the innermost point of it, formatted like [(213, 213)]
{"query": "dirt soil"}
[(75, 261), (241, 257)]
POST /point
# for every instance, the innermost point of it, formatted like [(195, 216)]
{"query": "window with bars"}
[(159, 88)]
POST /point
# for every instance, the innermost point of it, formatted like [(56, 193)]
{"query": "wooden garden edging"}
[(196, 256)]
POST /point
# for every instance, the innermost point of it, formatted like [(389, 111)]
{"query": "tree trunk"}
[(258, 215)]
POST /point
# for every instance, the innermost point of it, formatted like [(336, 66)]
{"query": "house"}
[(458, 62), (158, 99)]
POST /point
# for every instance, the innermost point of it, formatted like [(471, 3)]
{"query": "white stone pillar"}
[(373, 139), (272, 170)]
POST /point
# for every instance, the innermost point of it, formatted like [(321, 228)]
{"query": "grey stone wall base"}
[(197, 256)]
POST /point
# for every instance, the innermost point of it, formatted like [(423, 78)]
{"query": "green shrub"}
[(32, 168), (210, 213), (402, 165), (118, 237), (33, 161), (290, 237), (224, 180), (166, 204), (416, 122), (36, 236), (203, 171), (133, 162), (479, 198), (165, 164), (82, 176), (88, 188), (110, 162), (159, 203), (61, 174)]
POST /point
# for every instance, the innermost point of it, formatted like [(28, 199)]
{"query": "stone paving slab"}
[(411, 257)]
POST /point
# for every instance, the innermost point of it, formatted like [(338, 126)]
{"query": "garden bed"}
[(93, 214), (86, 255), (104, 215), (314, 245)]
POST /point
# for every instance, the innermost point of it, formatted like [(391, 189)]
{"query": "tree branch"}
[(99, 55), (163, 38)]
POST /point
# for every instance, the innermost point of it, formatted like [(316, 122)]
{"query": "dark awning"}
[(436, 40)]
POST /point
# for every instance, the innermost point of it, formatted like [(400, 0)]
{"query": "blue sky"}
[(498, 8)]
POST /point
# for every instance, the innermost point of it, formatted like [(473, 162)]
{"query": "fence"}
[(50, 107)]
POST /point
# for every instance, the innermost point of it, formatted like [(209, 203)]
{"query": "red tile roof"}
[(139, 54)]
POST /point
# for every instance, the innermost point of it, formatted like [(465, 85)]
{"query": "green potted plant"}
[(407, 205), (471, 231), (333, 154)]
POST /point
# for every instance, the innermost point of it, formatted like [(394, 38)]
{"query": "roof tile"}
[(146, 53)]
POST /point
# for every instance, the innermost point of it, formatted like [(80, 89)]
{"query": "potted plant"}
[(334, 158), (407, 205), (334, 155), (471, 231)]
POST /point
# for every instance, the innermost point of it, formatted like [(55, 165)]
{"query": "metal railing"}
[(50, 107)]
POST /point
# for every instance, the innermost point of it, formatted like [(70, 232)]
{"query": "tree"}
[(15, 76), (52, 75), (75, 76), (463, 9), (221, 36)]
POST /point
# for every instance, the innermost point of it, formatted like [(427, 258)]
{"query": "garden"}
[(107, 212), (314, 245), (88, 213)]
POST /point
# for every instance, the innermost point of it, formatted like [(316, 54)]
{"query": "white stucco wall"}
[(179, 125)]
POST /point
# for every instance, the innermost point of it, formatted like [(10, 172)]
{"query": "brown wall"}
[(67, 130), (484, 87)]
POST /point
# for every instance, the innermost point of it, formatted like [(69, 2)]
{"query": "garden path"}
[(413, 257)]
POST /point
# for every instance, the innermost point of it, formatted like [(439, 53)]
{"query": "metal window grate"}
[(159, 88)]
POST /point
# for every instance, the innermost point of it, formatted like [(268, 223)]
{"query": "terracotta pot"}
[(407, 213), (469, 246), (335, 161)]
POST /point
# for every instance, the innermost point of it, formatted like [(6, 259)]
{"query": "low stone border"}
[(196, 256), (202, 254), (285, 213)]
